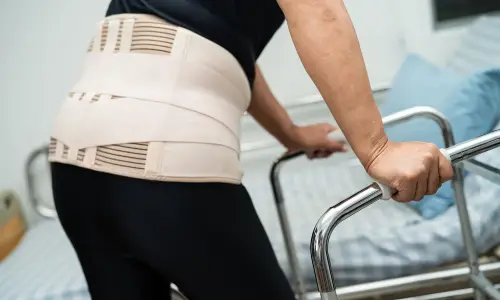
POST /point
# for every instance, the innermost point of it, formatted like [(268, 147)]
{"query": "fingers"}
[(406, 193), (429, 178), (413, 169), (416, 180), (334, 146), (329, 144), (321, 153), (421, 189), (327, 127), (433, 181), (435, 170), (445, 169)]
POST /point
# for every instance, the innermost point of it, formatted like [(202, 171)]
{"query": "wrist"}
[(377, 145), (290, 136)]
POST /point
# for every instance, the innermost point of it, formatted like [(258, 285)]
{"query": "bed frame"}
[(427, 283), (444, 283)]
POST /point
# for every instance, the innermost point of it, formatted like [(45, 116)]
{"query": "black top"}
[(242, 27)]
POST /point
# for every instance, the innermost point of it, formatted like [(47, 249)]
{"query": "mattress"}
[(43, 267), (387, 239)]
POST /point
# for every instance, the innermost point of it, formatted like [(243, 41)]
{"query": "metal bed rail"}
[(457, 184), (483, 288), (36, 203)]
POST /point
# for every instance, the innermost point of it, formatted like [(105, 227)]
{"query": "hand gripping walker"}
[(418, 112), (362, 199)]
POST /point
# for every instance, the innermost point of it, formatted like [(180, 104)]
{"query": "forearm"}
[(268, 112), (328, 47)]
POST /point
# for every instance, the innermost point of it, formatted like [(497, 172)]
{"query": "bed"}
[(386, 241)]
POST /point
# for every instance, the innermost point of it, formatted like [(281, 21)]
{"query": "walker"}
[(461, 153), (338, 213)]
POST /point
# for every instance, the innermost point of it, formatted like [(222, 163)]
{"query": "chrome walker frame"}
[(362, 199)]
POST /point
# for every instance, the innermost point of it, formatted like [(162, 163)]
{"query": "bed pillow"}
[(471, 104)]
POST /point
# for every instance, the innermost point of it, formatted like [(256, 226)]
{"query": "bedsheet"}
[(43, 267), (385, 240)]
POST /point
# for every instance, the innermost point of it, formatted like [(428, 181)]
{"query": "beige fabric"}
[(154, 101)]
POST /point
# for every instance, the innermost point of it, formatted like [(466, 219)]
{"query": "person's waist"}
[(194, 17), (206, 51), (137, 89)]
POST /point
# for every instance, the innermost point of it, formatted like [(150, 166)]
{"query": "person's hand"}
[(314, 140), (412, 169)]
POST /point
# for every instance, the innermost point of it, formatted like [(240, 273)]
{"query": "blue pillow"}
[(471, 104)]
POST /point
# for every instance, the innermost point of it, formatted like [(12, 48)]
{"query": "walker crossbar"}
[(341, 211)]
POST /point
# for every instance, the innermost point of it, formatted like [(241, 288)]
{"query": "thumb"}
[(328, 127), (334, 145), (328, 142)]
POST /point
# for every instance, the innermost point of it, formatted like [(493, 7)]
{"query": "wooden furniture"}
[(12, 224)]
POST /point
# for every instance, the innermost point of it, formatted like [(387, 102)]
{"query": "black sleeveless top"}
[(242, 27)]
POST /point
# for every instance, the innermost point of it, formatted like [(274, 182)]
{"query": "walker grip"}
[(387, 191)]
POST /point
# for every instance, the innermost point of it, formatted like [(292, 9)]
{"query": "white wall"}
[(43, 43), (415, 18), (387, 30), (381, 42)]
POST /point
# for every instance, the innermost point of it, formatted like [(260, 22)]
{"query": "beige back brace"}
[(154, 101)]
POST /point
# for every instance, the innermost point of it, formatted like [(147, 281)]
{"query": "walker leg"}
[(291, 252), (466, 229)]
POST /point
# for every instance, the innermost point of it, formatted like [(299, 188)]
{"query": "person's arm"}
[(272, 116), (269, 113), (328, 47)]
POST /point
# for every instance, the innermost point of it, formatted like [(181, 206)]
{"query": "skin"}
[(271, 115), (325, 39)]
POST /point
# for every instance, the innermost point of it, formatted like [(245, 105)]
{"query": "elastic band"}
[(112, 37), (163, 79), (96, 44), (126, 35)]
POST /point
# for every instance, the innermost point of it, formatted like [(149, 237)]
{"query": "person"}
[(145, 149)]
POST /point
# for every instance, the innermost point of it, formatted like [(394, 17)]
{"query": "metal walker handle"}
[(362, 199)]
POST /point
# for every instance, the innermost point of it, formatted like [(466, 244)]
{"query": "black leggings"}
[(134, 237)]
